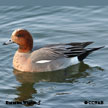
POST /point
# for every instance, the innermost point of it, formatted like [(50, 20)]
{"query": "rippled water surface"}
[(67, 88)]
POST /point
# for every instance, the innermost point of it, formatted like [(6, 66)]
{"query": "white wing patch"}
[(43, 61)]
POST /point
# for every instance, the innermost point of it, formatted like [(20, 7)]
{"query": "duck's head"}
[(23, 38)]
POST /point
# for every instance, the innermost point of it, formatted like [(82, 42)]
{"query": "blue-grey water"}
[(67, 88)]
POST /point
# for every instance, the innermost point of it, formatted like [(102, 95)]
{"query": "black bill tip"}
[(4, 43)]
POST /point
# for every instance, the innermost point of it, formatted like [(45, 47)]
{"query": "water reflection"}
[(25, 91), (68, 75), (73, 72)]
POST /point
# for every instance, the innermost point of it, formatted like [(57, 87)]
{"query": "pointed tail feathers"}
[(87, 52)]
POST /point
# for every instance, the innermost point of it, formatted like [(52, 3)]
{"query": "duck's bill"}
[(8, 42)]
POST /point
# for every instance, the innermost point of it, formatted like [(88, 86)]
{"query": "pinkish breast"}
[(21, 61)]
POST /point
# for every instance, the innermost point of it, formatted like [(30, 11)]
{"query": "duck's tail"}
[(88, 51)]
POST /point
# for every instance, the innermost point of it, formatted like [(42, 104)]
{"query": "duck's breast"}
[(21, 61)]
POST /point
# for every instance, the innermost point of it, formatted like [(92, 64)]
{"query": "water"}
[(69, 87)]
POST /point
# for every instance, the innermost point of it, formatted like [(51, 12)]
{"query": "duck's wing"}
[(55, 51), (73, 44), (79, 44), (69, 49)]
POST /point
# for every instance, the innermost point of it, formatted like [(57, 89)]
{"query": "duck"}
[(51, 57)]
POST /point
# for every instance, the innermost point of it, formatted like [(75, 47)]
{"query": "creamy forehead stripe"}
[(43, 61), (16, 31)]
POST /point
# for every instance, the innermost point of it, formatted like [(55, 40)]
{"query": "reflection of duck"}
[(25, 91), (68, 75), (72, 72), (75, 71), (49, 58)]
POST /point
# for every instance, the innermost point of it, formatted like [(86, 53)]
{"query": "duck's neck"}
[(25, 48)]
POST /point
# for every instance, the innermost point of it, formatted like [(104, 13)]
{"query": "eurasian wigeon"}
[(49, 58)]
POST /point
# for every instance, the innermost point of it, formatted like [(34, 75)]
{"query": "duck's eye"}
[(19, 35)]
